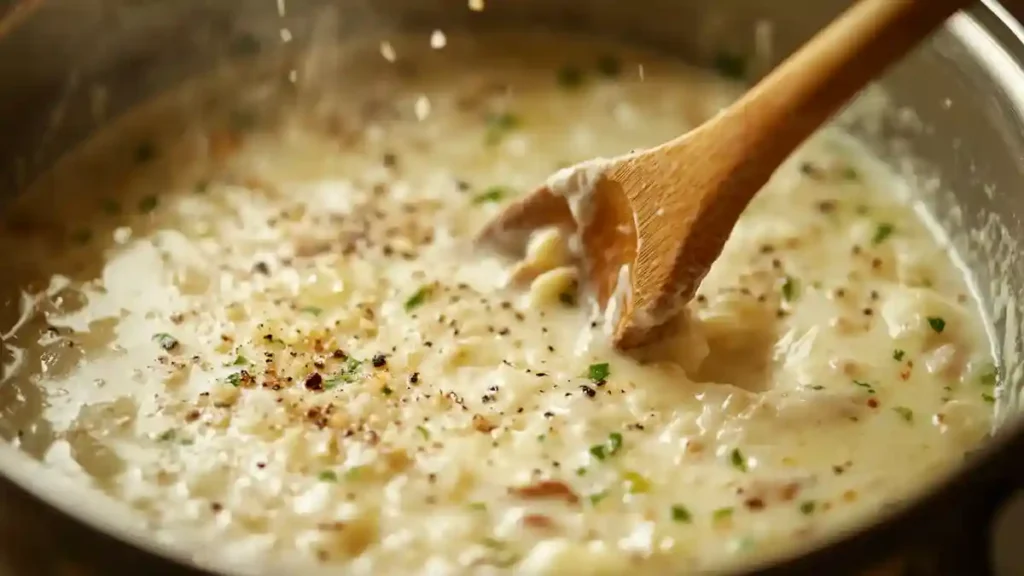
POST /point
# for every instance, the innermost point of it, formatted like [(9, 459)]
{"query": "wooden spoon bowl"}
[(653, 222)]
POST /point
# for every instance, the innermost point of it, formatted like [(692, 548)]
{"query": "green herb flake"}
[(681, 514), (937, 323), (312, 310), (596, 497), (144, 152), (148, 204), (349, 373), (165, 341), (167, 435), (904, 412), (478, 506), (988, 398), (354, 472), (898, 355), (730, 65), (850, 174), (241, 361), (498, 125), (722, 514), (598, 372), (738, 460), (789, 289), (327, 476), (882, 232), (807, 508), (614, 443), (417, 299), (387, 391), (235, 379), (423, 432), (570, 77), (492, 194), (598, 451), (581, 471), (864, 385), (542, 437), (635, 482), (201, 187)]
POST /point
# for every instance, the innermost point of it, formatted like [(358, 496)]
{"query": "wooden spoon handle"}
[(795, 99)]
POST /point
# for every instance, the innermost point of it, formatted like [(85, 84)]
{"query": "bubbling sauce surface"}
[(264, 330)]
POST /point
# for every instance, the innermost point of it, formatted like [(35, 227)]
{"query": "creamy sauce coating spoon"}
[(652, 222)]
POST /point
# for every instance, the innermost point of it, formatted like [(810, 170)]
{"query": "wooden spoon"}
[(666, 212)]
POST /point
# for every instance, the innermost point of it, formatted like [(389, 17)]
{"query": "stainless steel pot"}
[(69, 66)]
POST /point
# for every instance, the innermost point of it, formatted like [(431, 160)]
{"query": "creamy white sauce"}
[(196, 299)]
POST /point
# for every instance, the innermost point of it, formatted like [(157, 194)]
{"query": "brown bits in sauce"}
[(538, 521), (314, 382), (546, 490), (482, 424)]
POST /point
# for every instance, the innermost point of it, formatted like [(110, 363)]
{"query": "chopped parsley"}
[(570, 77), (598, 373), (349, 373), (165, 341), (904, 412), (492, 194), (739, 461), (354, 472), (988, 397), (241, 361), (327, 476), (807, 508), (609, 66), (722, 514), (789, 289), (387, 391), (609, 448), (417, 299), (148, 204), (167, 435), (898, 354), (315, 311), (477, 506), (581, 471), (614, 443), (937, 323), (681, 514), (882, 231), (865, 385), (730, 65), (235, 379), (423, 432), (567, 298), (850, 174), (498, 125), (635, 482), (596, 497)]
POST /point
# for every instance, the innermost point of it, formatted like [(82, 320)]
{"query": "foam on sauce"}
[(265, 331)]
